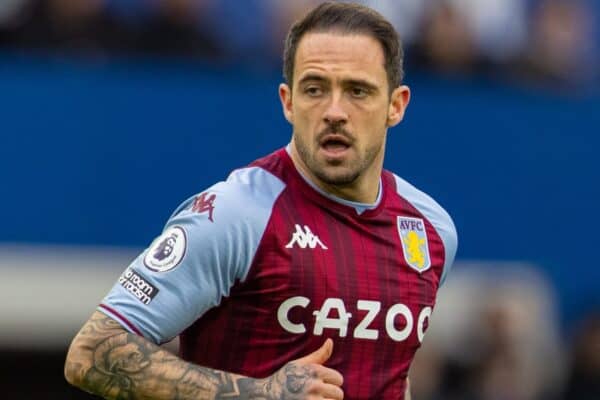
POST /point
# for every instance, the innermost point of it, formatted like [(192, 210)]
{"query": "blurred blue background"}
[(101, 155), (113, 112)]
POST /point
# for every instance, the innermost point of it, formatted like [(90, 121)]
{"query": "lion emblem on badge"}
[(414, 248), (167, 251), (165, 248)]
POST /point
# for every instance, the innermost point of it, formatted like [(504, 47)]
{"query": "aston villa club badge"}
[(414, 243)]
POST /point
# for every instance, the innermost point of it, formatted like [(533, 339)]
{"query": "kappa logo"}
[(414, 243), (305, 238), (205, 203)]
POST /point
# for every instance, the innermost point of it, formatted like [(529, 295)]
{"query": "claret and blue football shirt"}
[(260, 269)]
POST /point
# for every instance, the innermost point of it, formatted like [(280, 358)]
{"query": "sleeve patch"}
[(138, 286), (167, 251)]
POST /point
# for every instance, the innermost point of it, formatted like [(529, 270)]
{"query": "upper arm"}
[(206, 247), (444, 226)]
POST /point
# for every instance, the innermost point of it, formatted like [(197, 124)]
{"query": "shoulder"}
[(223, 225), (254, 183), (436, 215), (430, 209), (245, 193)]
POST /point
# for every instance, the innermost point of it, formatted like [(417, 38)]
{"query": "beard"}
[(336, 172)]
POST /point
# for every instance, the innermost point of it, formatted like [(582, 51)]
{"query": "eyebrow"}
[(312, 77), (345, 82), (360, 82)]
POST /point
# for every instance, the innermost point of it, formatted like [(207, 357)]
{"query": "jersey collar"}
[(359, 207)]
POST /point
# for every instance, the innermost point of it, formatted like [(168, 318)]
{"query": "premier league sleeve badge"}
[(167, 251)]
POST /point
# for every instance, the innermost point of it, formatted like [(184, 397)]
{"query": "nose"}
[(335, 113)]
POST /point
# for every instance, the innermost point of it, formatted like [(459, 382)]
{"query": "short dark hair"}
[(348, 18)]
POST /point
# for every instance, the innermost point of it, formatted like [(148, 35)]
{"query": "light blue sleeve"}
[(437, 216), (207, 245)]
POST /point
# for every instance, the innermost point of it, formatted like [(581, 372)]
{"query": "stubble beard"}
[(335, 173)]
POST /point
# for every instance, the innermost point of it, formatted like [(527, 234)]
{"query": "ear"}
[(398, 102), (285, 95)]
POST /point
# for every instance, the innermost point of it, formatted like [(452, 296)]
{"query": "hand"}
[(307, 378)]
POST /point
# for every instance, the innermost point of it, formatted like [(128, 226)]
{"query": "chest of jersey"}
[(328, 271), (367, 281)]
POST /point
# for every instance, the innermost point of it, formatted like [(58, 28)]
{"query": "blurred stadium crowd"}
[(495, 337), (550, 41)]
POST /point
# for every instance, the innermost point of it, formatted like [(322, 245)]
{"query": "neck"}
[(362, 190)]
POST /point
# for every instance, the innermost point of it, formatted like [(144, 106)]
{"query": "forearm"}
[(126, 366)]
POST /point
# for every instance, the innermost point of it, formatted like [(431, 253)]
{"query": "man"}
[(311, 273)]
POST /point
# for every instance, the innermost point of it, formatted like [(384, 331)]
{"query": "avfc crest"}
[(414, 243)]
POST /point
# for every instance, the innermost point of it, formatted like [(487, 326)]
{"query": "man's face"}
[(340, 109)]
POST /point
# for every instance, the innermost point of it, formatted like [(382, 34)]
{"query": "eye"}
[(358, 92), (313, 91)]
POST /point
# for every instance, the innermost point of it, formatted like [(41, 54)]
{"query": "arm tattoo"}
[(115, 364)]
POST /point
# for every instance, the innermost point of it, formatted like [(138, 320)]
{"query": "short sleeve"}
[(206, 246)]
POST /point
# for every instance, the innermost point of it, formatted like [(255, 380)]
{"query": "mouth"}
[(335, 144)]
